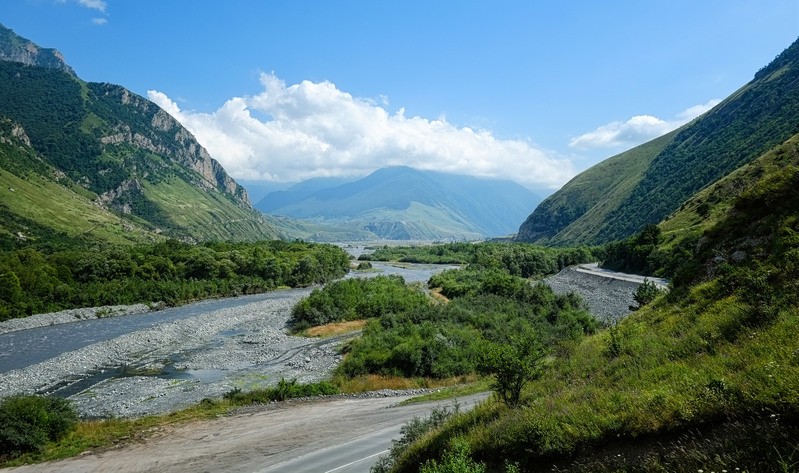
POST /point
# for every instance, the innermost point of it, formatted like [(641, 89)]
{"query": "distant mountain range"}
[(644, 185), (82, 160), (401, 203)]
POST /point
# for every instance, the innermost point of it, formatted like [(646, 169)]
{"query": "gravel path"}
[(177, 364)]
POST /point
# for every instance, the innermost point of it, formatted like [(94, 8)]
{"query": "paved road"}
[(327, 436), (593, 268)]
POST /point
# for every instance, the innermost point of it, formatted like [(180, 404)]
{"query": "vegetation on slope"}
[(114, 150), (704, 378), (572, 212), (762, 114)]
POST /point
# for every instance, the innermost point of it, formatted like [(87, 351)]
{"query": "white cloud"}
[(99, 5), (637, 130), (315, 130), (99, 21)]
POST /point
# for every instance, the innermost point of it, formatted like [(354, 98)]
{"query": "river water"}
[(27, 347)]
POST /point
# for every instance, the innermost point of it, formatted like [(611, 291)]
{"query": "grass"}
[(56, 207), (100, 435), (681, 370), (335, 328), (375, 382), (479, 385)]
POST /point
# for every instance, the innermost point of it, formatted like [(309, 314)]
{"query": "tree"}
[(513, 364), (645, 293)]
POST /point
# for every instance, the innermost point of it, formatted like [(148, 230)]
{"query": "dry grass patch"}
[(335, 328), (375, 382), (436, 294)]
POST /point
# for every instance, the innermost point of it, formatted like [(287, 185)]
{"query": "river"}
[(162, 360)]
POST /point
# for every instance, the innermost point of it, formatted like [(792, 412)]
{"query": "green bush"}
[(27, 423), (357, 298), (285, 389), (410, 432)]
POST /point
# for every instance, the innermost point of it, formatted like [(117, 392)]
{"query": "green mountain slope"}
[(115, 150), (703, 379), (584, 202), (759, 116), (405, 204)]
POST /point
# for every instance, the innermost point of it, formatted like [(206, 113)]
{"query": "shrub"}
[(645, 293), (513, 365), (27, 423), (285, 389), (410, 432)]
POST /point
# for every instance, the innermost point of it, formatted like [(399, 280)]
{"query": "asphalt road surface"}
[(593, 268), (326, 436)]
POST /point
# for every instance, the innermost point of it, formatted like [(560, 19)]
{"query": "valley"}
[(155, 315), (163, 361)]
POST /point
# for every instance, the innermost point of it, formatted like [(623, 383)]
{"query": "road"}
[(326, 436), (593, 268)]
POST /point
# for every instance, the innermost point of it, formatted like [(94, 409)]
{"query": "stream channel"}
[(162, 360)]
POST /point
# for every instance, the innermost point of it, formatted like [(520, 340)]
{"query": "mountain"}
[(18, 49), (97, 158), (401, 203), (617, 197), (281, 197)]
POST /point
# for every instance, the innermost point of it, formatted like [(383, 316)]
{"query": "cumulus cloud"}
[(637, 130), (316, 130)]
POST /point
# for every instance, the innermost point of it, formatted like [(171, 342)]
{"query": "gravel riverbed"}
[(177, 364)]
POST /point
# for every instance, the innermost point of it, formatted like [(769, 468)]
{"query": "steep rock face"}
[(13, 133), (17, 49), (166, 137)]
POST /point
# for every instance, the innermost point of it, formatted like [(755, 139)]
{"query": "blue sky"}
[(529, 90)]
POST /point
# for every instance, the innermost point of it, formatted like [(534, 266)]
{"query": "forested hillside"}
[(654, 179), (100, 145)]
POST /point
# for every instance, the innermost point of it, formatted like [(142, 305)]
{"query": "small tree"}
[(645, 293), (513, 365)]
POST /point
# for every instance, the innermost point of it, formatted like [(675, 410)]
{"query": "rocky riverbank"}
[(177, 364), (73, 315), (608, 299)]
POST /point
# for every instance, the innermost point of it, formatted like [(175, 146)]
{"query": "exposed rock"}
[(17, 49), (181, 146)]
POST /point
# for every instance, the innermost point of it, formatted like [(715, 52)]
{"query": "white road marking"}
[(356, 461)]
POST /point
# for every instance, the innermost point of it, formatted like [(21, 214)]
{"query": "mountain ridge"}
[(119, 152), (400, 202), (760, 115)]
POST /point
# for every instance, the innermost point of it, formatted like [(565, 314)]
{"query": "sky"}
[(532, 91)]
